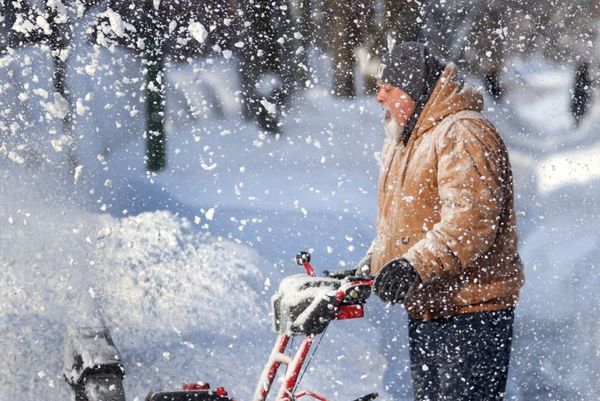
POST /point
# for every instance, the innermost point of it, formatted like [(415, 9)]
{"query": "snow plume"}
[(152, 278), (45, 253), (180, 302)]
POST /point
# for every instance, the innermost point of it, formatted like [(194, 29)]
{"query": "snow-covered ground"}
[(181, 265)]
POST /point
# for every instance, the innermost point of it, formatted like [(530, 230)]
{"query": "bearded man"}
[(446, 243)]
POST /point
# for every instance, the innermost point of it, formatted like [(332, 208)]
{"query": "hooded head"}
[(411, 67)]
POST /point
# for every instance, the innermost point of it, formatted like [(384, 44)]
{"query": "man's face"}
[(396, 104)]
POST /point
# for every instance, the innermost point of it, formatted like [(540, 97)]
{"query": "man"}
[(446, 244)]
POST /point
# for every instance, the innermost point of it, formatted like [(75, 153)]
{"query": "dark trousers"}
[(461, 358)]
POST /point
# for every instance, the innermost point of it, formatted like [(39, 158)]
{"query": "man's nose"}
[(380, 96)]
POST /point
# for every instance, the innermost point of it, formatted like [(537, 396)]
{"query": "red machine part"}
[(349, 312), (309, 269), (278, 356), (196, 386), (221, 392), (303, 259), (344, 289), (294, 368)]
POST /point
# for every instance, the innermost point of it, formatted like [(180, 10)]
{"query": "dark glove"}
[(394, 280), (363, 268)]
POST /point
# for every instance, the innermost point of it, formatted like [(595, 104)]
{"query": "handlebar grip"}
[(302, 258)]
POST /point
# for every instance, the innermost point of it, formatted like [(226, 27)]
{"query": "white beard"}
[(392, 130)]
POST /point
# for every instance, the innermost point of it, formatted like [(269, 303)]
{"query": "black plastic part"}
[(368, 397), (339, 274), (357, 295), (302, 258), (315, 323), (202, 395), (93, 367)]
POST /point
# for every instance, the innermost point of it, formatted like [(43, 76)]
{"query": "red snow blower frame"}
[(304, 306), (348, 303)]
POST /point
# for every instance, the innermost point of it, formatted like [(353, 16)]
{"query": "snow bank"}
[(173, 278), (577, 166)]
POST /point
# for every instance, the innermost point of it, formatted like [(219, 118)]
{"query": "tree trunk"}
[(305, 31), (59, 77), (60, 45), (400, 21), (581, 92), (343, 41), (155, 109)]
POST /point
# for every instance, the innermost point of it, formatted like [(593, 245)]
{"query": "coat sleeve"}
[(470, 173)]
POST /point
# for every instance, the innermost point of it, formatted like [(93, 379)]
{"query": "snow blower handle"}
[(303, 259), (339, 274), (347, 273)]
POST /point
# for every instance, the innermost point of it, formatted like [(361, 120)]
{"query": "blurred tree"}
[(362, 28), (51, 24), (271, 56), (399, 21), (155, 30), (471, 33), (567, 35), (306, 28), (581, 92), (346, 22), (581, 41)]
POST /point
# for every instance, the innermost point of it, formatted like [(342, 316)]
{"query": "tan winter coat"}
[(445, 203)]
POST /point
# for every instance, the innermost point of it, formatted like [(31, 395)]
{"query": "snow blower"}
[(304, 305)]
